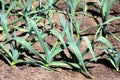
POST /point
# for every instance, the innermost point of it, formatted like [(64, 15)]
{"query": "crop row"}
[(37, 20)]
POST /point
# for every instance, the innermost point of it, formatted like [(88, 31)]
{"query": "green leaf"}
[(6, 50), (38, 34), (105, 41), (59, 36), (4, 26), (79, 57), (117, 60), (29, 5), (51, 2), (29, 47), (90, 46), (85, 52), (63, 21), (77, 52), (22, 29), (55, 50), (16, 55), (66, 28), (7, 59), (108, 21), (74, 65), (59, 63), (12, 5), (3, 6)]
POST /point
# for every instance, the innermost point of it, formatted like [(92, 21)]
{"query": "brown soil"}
[(102, 70)]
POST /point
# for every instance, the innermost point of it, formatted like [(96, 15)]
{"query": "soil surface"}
[(101, 70)]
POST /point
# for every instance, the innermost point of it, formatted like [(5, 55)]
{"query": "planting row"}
[(33, 23)]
